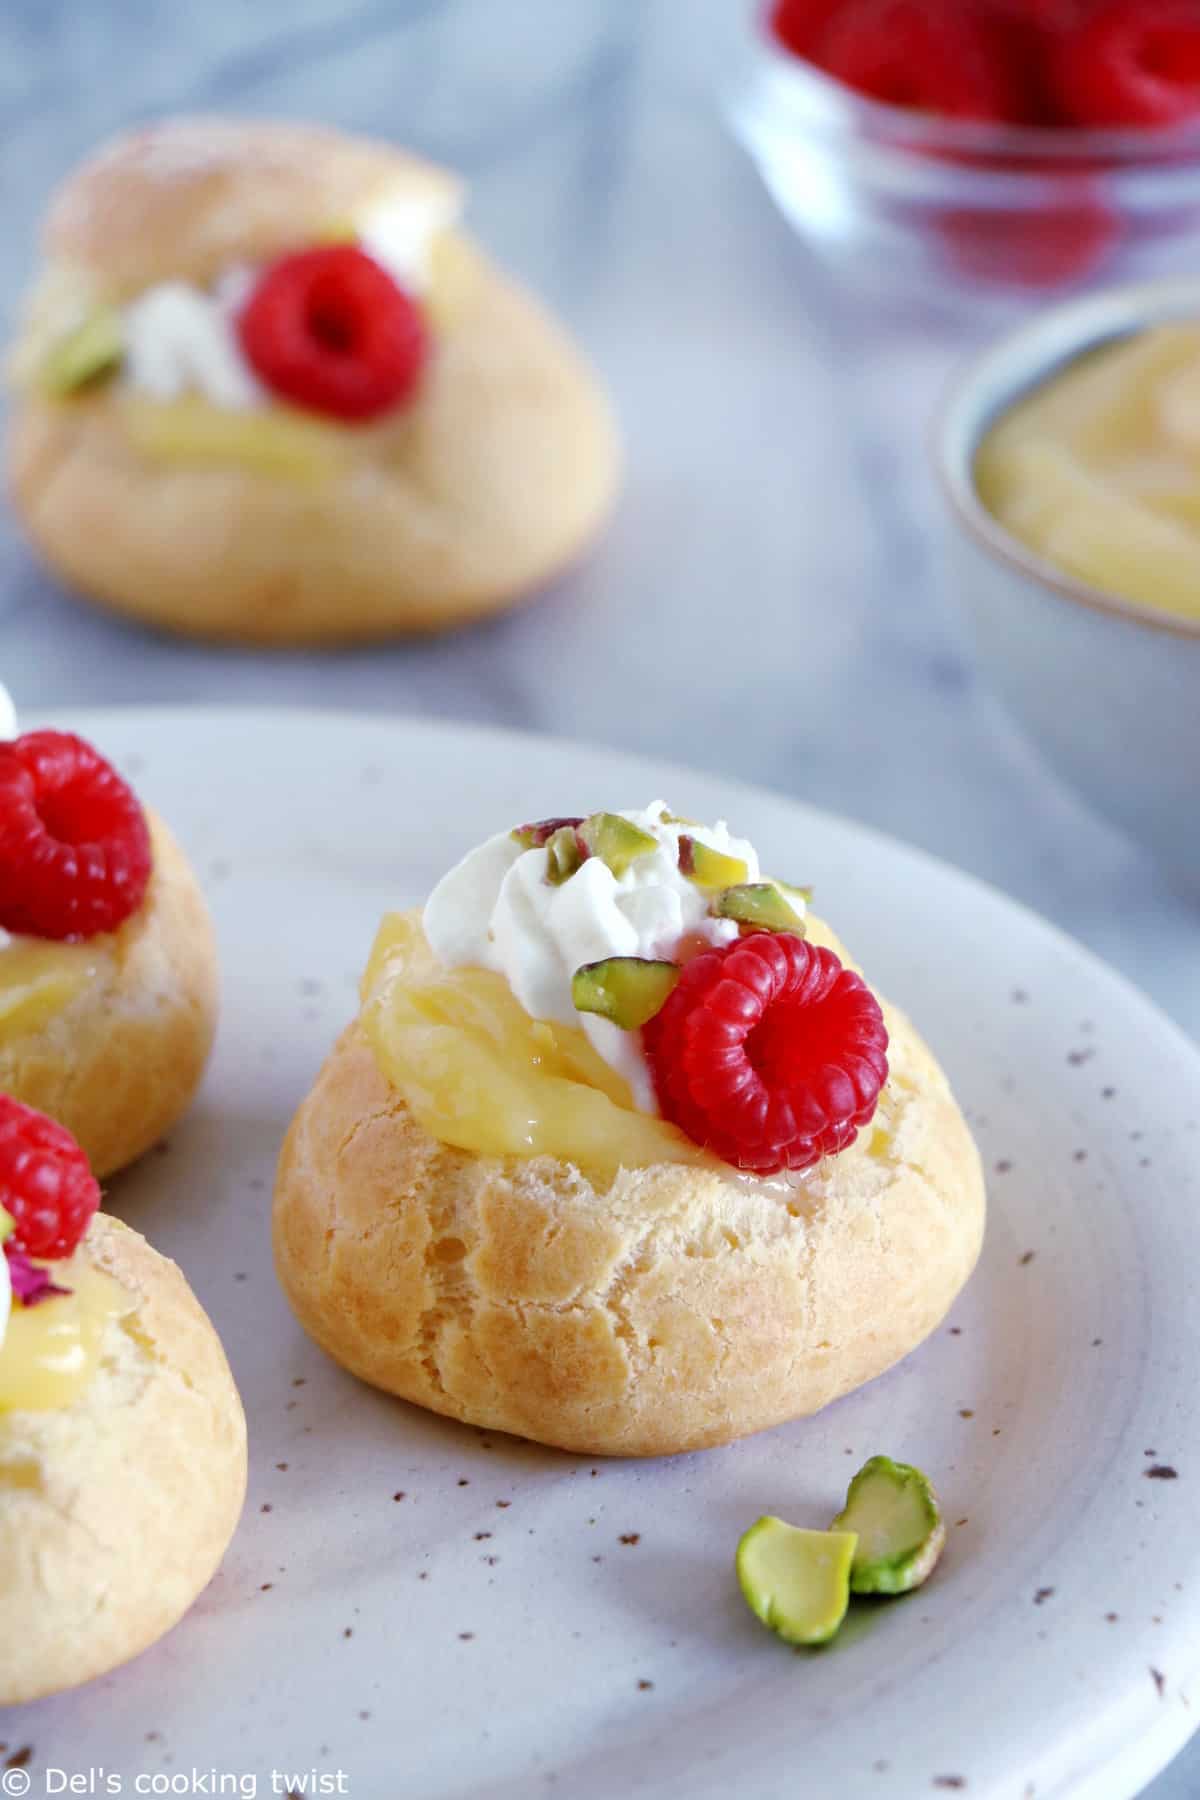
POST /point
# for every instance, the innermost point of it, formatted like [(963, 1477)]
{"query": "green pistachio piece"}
[(708, 868), (564, 855), (615, 840), (533, 837), (629, 990), (759, 903), (797, 1582), (92, 350), (894, 1512)]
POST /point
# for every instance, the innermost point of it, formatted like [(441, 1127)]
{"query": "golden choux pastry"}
[(110, 1035), (164, 460), (641, 1296), (121, 1482)]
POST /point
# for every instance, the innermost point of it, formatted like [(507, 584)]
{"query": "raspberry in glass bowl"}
[(967, 149)]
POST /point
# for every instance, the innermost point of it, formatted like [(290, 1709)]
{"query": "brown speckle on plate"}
[(1042, 1595), (266, 1506), (631, 1537), (503, 1503), (348, 1631), (1020, 997), (18, 1759), (1161, 1472), (1111, 1618), (1003, 1167), (266, 1587), (644, 1686), (282, 1467), (953, 1782), (964, 1412), (1160, 1682), (463, 1482), (466, 1636), (480, 1535), (1027, 1258), (1079, 1156), (1077, 1058), (399, 1494)]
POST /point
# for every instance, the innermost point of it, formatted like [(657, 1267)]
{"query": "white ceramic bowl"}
[(1109, 691)]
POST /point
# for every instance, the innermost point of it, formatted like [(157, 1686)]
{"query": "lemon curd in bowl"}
[(1067, 467), (1097, 471)]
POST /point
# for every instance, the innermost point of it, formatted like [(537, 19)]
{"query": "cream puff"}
[(122, 1437), (621, 1153), (108, 963), (269, 392)]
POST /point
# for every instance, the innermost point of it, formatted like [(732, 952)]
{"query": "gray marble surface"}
[(769, 600)]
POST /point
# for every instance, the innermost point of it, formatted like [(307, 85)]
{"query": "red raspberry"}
[(769, 1053), (331, 331), (928, 55), (798, 24), (74, 847), (1133, 62), (45, 1183)]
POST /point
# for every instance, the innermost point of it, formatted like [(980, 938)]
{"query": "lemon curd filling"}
[(40, 978), (51, 1350), (481, 1075), (1098, 470)]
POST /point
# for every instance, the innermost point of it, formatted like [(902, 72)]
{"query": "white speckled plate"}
[(438, 1613)]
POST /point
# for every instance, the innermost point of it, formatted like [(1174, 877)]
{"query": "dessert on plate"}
[(269, 391), (621, 1154), (122, 1438), (108, 964)]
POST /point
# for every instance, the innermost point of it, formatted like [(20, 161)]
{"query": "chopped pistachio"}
[(628, 990), (894, 1512), (797, 1582)]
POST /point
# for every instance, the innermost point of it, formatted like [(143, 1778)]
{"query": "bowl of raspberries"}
[(1001, 146)]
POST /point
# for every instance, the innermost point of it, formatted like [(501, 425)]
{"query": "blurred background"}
[(772, 599)]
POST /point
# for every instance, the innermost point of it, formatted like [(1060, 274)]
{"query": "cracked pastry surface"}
[(120, 1063), (676, 1308), (117, 1509)]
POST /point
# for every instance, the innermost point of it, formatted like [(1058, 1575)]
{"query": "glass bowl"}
[(951, 207)]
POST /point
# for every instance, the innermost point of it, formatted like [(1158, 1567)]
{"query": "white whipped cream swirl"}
[(496, 910)]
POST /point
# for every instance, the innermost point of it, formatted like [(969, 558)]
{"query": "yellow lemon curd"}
[(50, 1350), (480, 1074), (39, 978), (1098, 470)]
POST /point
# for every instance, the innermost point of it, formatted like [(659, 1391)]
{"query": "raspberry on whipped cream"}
[(497, 910), (179, 338)]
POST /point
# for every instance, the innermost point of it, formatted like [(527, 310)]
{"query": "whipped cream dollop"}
[(497, 910), (180, 338)]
